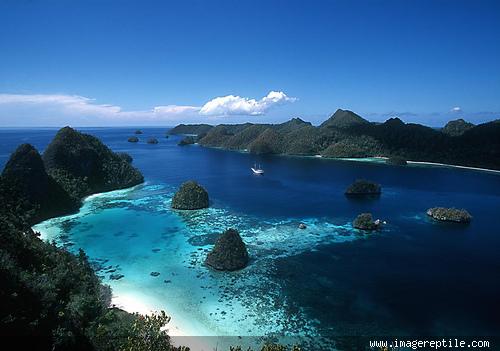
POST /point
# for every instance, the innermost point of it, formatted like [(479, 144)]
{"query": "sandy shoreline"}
[(183, 332), (375, 159), (379, 159)]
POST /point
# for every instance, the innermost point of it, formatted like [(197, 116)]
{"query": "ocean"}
[(415, 277)]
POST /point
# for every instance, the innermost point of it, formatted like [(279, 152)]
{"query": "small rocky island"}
[(133, 139), (138, 131), (190, 196), (449, 214), (189, 140), (229, 252), (365, 222), (363, 187), (152, 141)]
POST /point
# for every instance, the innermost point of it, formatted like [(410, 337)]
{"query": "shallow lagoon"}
[(416, 277)]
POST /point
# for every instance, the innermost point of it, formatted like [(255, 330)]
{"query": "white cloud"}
[(456, 109), (237, 105), (68, 103), (51, 109)]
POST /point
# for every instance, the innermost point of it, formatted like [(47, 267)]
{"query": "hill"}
[(346, 134), (457, 127), (343, 119)]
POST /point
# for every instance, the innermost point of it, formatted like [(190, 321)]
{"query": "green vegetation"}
[(457, 127), (343, 119), (190, 196), (347, 135), (229, 252), (363, 187), (81, 161), (24, 177), (449, 214), (195, 129), (50, 296), (365, 222), (189, 140)]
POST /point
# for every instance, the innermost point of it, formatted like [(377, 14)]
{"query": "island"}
[(449, 214), (347, 135), (365, 222), (363, 187), (190, 196), (229, 252), (152, 141), (133, 139)]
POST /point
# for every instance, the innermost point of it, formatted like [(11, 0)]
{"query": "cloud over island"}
[(56, 109)]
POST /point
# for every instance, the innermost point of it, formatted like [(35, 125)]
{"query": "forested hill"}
[(347, 135), (51, 298)]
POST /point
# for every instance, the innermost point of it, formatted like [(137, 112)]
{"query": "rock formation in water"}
[(138, 131), (189, 140), (133, 139), (83, 165), (449, 214), (25, 177), (190, 196), (396, 161), (229, 252), (363, 187), (152, 141), (365, 222)]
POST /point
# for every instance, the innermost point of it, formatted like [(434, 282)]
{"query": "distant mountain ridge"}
[(347, 135)]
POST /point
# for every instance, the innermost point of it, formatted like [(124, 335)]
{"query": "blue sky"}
[(93, 63)]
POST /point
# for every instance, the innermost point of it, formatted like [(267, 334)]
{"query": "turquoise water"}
[(416, 277), (134, 232)]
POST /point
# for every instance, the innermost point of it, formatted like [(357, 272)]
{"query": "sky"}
[(139, 63)]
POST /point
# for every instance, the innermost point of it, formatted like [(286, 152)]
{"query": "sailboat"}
[(257, 170)]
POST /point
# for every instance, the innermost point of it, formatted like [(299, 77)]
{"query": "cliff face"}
[(24, 176), (83, 165)]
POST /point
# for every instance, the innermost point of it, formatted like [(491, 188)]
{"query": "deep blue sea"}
[(414, 277)]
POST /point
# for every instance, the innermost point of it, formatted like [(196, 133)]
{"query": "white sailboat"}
[(257, 170)]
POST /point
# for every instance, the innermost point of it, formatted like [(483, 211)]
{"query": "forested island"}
[(347, 135)]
